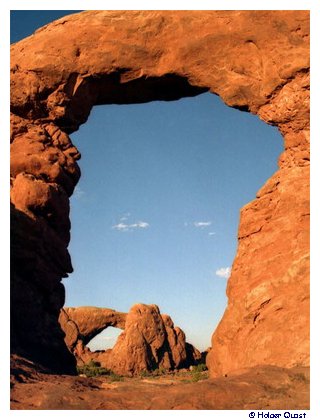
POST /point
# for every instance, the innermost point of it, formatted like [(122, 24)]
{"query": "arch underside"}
[(256, 61)]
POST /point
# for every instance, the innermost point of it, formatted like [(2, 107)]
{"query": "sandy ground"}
[(264, 387)]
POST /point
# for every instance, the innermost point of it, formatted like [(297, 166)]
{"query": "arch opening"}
[(105, 340), (159, 199), (124, 86)]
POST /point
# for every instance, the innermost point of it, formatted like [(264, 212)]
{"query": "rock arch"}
[(83, 323), (150, 340), (256, 61)]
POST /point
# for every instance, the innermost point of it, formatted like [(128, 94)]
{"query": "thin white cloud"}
[(224, 272), (124, 227), (211, 233), (125, 217), (202, 224), (78, 192), (140, 225)]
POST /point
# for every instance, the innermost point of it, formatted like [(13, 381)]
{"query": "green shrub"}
[(92, 369), (115, 377), (199, 368), (159, 372), (186, 381), (145, 374), (93, 364), (197, 376)]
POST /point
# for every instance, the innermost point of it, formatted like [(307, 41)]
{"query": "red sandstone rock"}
[(270, 311), (82, 324), (254, 60), (149, 340)]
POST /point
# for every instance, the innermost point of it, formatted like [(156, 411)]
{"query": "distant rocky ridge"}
[(149, 340)]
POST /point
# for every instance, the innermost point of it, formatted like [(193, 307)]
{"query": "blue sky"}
[(155, 214)]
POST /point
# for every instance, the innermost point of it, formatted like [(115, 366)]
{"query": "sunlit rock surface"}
[(149, 341), (256, 61)]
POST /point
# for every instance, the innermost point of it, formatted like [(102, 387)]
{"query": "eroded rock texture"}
[(82, 324), (149, 340), (254, 60)]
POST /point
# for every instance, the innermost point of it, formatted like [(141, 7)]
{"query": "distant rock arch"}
[(256, 61), (83, 323), (149, 340)]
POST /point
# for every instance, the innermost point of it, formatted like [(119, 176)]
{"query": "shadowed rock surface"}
[(35, 333), (256, 61), (149, 340)]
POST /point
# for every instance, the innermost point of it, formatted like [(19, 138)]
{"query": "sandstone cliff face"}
[(149, 340), (254, 60)]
